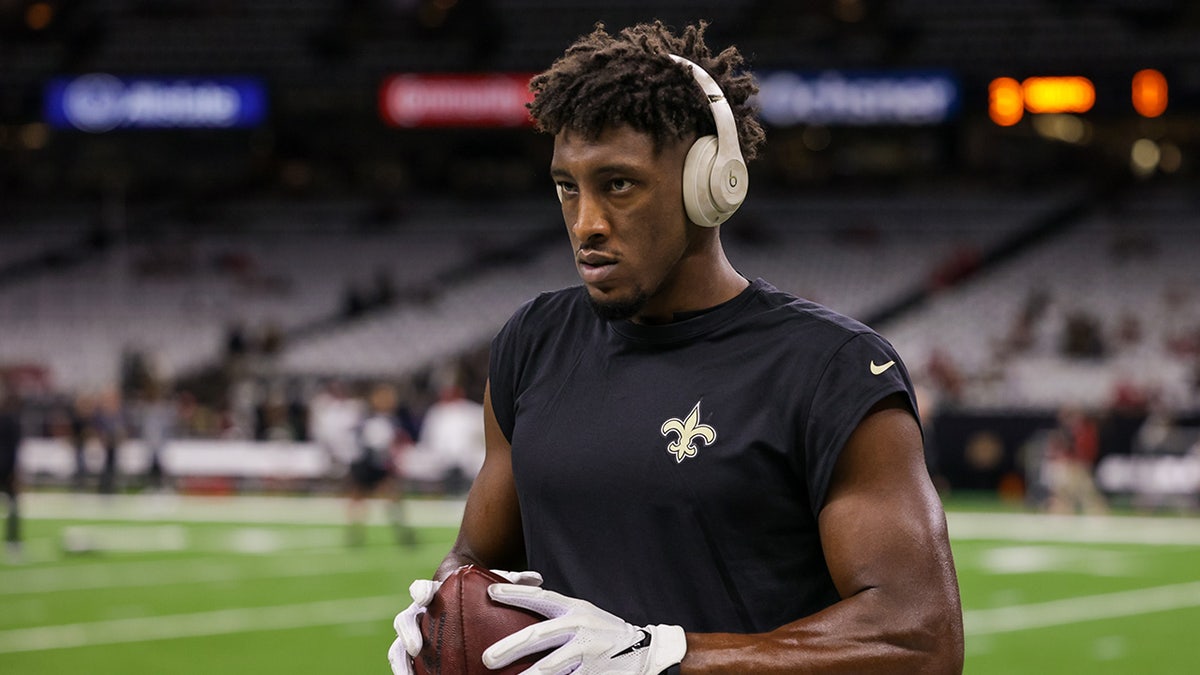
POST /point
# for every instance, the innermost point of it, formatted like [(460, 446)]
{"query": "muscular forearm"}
[(857, 635)]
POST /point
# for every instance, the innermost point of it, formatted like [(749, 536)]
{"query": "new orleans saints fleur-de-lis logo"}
[(688, 430)]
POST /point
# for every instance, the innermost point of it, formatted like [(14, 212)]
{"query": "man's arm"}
[(490, 534), (883, 531)]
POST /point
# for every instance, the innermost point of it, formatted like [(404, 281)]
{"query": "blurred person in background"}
[(381, 439), (79, 429), (333, 419), (699, 473), (10, 445), (1071, 455), (451, 447), (157, 419), (111, 428)]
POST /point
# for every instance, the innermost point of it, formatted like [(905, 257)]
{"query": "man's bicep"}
[(882, 526), (490, 534)]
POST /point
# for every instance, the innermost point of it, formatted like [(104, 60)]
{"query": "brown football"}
[(462, 621)]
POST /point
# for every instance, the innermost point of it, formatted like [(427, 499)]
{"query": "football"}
[(462, 621)]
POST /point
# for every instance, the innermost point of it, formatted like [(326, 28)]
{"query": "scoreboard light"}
[(1009, 100), (1149, 93), (1006, 104), (1058, 94)]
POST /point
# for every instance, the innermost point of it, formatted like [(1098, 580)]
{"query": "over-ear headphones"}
[(715, 179)]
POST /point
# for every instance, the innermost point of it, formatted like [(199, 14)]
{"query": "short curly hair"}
[(629, 79)]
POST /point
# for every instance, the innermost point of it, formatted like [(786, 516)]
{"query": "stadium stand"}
[(174, 293), (1105, 305)]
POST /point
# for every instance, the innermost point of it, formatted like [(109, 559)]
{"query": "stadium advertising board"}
[(99, 102), (455, 100), (859, 98)]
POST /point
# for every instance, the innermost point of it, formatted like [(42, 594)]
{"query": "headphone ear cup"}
[(697, 193)]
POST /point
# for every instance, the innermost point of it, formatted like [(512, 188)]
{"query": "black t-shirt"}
[(674, 473)]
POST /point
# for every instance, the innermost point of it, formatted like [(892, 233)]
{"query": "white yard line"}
[(1166, 531), (448, 513), (1078, 610), (199, 624), (183, 508), (58, 578)]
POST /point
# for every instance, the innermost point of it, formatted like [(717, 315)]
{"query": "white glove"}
[(589, 640), (408, 641)]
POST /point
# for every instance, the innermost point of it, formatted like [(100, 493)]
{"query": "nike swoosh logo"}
[(640, 644), (879, 370)]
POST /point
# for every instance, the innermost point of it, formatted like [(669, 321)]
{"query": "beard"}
[(620, 310)]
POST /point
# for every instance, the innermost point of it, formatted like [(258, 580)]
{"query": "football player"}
[(702, 473)]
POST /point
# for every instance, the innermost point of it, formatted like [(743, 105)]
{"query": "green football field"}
[(263, 586)]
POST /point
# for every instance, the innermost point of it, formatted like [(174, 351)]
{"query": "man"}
[(710, 475), (451, 446), (373, 471), (10, 445)]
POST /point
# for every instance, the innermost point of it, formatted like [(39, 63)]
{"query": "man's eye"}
[(566, 188), (621, 184)]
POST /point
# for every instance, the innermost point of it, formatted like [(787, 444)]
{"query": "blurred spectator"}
[(81, 411), (273, 419), (354, 302), (1022, 336), (944, 374), (157, 419), (271, 343), (450, 450), (373, 471), (236, 344), (1069, 472), (10, 444), (111, 429), (1083, 337), (1129, 397), (333, 417)]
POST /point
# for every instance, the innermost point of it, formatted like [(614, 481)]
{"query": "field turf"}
[(221, 585)]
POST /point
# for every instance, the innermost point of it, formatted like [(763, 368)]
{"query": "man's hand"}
[(588, 640), (408, 641)]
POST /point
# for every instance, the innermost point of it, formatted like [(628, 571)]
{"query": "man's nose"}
[(591, 218)]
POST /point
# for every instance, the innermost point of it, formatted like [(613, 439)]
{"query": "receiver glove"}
[(588, 640)]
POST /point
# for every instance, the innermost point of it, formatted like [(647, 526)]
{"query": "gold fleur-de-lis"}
[(688, 431)]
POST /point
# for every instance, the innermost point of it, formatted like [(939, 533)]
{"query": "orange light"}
[(1149, 93), (1006, 104), (1058, 94)]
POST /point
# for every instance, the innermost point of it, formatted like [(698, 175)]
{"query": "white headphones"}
[(715, 179)]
